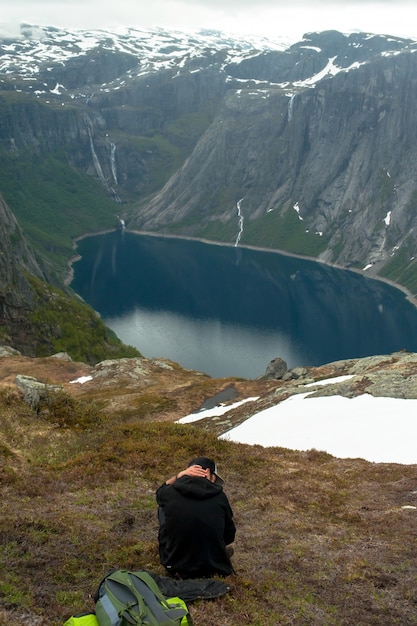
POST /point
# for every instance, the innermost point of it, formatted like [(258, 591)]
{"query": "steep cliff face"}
[(17, 263), (37, 319), (339, 154), (309, 148), (16, 260)]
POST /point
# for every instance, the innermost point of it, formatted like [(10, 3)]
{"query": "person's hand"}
[(196, 471)]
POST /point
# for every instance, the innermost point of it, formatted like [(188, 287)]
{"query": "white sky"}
[(380, 430), (289, 18)]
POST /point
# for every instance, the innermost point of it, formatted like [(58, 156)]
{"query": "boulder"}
[(276, 369), (35, 392), (9, 351)]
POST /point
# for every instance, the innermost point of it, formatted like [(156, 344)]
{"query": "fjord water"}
[(227, 311)]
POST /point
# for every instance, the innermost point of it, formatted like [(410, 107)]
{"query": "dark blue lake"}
[(228, 311)]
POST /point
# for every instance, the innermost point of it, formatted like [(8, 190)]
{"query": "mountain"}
[(37, 318), (17, 262), (324, 125), (307, 147), (311, 151)]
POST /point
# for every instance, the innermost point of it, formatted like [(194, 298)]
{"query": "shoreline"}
[(409, 296), (70, 274)]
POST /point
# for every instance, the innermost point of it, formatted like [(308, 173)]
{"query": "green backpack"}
[(125, 597)]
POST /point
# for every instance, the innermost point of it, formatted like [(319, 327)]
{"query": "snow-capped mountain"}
[(37, 50), (308, 146)]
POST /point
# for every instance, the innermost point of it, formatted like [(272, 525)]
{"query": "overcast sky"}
[(266, 17)]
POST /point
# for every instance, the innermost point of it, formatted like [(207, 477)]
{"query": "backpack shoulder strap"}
[(156, 601), (118, 599)]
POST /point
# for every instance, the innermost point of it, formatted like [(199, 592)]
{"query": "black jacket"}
[(195, 525)]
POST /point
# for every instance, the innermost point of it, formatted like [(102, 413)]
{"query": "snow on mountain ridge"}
[(35, 44), (28, 58)]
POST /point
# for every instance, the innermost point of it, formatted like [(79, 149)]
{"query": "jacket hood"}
[(198, 488)]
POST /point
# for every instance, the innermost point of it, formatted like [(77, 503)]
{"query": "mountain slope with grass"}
[(320, 540), (37, 318)]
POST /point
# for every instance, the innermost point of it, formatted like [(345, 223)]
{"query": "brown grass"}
[(320, 541)]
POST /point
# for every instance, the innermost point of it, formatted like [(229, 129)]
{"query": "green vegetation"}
[(283, 232), (215, 230), (187, 129), (386, 188), (61, 409), (54, 203), (65, 324), (319, 540), (162, 159), (402, 268), (165, 151)]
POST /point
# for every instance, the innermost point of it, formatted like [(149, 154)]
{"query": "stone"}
[(9, 351), (276, 369), (63, 356), (34, 392)]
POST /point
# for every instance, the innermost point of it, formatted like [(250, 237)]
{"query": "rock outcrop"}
[(276, 369), (160, 389), (17, 264)]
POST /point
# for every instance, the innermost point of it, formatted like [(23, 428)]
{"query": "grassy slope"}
[(320, 540), (64, 324), (402, 268), (54, 203)]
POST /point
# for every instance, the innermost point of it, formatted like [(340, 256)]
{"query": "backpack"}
[(125, 598), (86, 619)]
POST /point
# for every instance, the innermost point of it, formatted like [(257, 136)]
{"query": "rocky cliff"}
[(322, 167), (309, 148), (17, 264), (38, 319)]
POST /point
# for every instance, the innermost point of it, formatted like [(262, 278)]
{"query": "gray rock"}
[(63, 356), (276, 369), (34, 392), (295, 374), (9, 351)]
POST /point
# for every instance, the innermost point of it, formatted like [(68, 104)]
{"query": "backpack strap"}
[(153, 597), (127, 597)]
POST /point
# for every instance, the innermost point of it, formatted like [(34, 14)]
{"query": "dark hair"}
[(206, 463)]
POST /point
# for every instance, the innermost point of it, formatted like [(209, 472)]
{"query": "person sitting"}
[(196, 524)]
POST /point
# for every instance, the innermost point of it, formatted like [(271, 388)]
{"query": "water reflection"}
[(228, 311)]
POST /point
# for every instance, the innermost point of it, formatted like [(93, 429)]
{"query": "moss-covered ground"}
[(319, 541)]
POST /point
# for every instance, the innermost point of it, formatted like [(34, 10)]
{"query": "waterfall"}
[(96, 162), (240, 217), (290, 107), (113, 161)]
